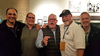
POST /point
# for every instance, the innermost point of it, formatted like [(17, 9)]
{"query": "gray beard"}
[(66, 24)]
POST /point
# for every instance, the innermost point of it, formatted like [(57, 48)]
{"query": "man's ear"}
[(26, 19), (5, 16), (57, 20)]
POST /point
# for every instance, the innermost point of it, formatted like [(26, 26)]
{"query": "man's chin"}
[(31, 23), (52, 27), (66, 24), (12, 21), (85, 25)]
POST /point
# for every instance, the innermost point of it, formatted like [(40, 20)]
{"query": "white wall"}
[(43, 8)]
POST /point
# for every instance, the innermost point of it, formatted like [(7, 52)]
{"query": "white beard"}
[(66, 23)]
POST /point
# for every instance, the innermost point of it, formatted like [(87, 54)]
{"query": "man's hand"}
[(45, 40), (44, 26)]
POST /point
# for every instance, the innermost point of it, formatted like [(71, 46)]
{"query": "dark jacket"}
[(53, 47), (93, 47), (10, 39)]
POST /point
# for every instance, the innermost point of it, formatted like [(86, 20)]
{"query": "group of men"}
[(68, 39)]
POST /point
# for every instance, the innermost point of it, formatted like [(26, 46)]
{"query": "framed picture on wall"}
[(93, 6), (74, 6)]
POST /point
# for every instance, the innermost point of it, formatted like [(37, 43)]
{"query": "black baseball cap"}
[(65, 12)]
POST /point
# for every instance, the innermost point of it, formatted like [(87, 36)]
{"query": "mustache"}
[(65, 20)]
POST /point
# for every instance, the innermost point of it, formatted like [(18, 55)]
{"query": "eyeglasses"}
[(12, 14), (31, 17), (51, 19)]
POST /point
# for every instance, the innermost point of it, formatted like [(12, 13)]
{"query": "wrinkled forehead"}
[(31, 15), (11, 11), (52, 17), (85, 15)]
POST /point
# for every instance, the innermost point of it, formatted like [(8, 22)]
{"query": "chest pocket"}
[(69, 36)]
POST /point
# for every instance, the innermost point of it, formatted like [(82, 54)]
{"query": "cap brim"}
[(62, 15)]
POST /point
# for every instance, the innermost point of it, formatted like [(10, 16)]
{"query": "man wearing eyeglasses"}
[(48, 40), (29, 36)]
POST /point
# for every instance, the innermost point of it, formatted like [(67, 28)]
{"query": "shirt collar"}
[(88, 30), (51, 29), (32, 27)]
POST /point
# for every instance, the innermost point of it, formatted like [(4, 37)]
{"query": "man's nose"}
[(52, 20), (85, 20), (12, 15)]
